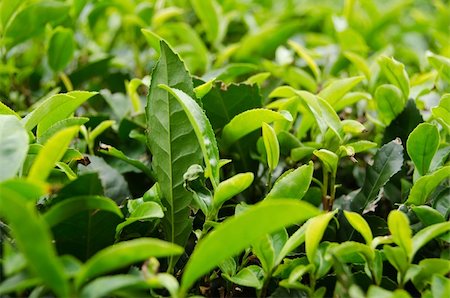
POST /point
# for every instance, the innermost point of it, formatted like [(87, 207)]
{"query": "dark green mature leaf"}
[(172, 142), (222, 104), (13, 146), (33, 239), (422, 144), (31, 21), (387, 162), (239, 232), (124, 254), (68, 208), (203, 131), (61, 48)]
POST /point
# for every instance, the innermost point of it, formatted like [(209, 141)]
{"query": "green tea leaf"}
[(360, 224), (301, 51), (51, 153), (203, 130), (293, 185), (348, 248), (210, 15), (61, 48), (440, 286), (124, 254), (103, 286), (248, 121), (54, 109), (239, 232), (398, 224), (395, 73), (387, 162), (251, 276), (329, 160), (71, 206), (422, 144), (18, 283), (427, 234), (31, 21), (33, 239), (338, 88), (360, 63), (314, 233), (144, 211), (61, 124), (13, 146), (268, 248), (427, 215), (271, 145), (173, 143), (231, 187), (5, 110), (390, 102), (397, 257), (423, 187)]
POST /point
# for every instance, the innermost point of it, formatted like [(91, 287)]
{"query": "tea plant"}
[(224, 148)]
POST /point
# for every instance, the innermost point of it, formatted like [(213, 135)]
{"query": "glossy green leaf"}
[(271, 145), (293, 185), (61, 124), (294, 241), (172, 141), (144, 211), (203, 130), (301, 51), (210, 15), (239, 232), (329, 159), (440, 286), (54, 109), (7, 10), (360, 225), (422, 145), (111, 151), (390, 102), (268, 248), (203, 89), (99, 129), (398, 224), (251, 276), (425, 185), (124, 254), (314, 233), (231, 187), (338, 88), (31, 21), (33, 239), (427, 234), (353, 127), (103, 286), (427, 215), (13, 146), (387, 162), (5, 110), (51, 153), (71, 206), (397, 257), (300, 153), (395, 73), (248, 121), (429, 267), (61, 48), (348, 248), (361, 146), (360, 63)]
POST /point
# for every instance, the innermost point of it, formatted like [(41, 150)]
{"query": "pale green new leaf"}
[(422, 144), (124, 254), (231, 187), (301, 51), (251, 276), (338, 88), (271, 145), (293, 185), (395, 73), (51, 153), (65, 209), (210, 14), (103, 286), (398, 224), (423, 187), (61, 124), (314, 233), (390, 102), (360, 224), (427, 234), (61, 48), (144, 211), (13, 146), (239, 232), (248, 121)]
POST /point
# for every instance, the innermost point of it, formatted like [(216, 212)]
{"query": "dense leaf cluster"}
[(224, 148)]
